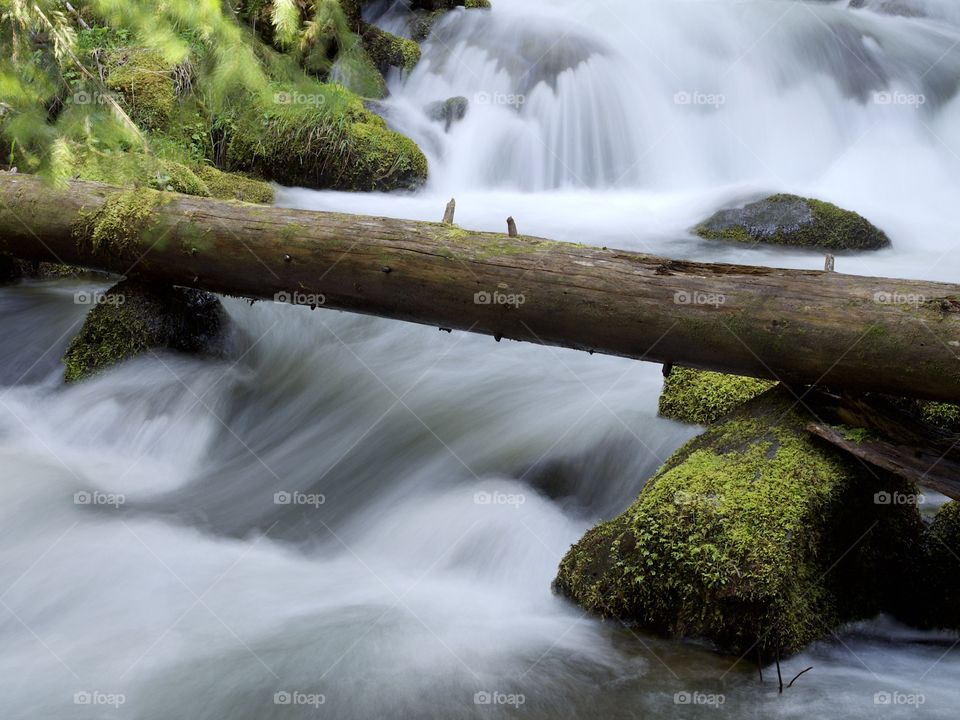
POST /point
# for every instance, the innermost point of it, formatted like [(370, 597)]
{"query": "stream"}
[(350, 517)]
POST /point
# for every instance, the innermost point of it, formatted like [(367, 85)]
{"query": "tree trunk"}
[(804, 327)]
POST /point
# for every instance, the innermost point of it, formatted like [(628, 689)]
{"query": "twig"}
[(798, 675)]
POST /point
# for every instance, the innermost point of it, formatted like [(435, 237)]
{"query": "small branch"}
[(449, 212), (80, 19), (511, 227), (790, 685)]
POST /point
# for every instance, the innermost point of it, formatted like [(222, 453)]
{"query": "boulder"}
[(702, 396), (753, 536), (795, 221), (448, 111), (132, 318)]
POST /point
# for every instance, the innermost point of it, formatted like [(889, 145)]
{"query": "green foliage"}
[(152, 93), (945, 415), (701, 396)]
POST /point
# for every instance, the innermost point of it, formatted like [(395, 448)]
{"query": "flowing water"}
[(349, 517)]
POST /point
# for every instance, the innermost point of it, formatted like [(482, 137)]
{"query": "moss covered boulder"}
[(132, 318), (934, 597), (752, 536), (326, 139), (389, 51), (145, 80), (795, 221), (702, 396)]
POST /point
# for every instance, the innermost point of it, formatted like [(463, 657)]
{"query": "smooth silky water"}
[(435, 480)]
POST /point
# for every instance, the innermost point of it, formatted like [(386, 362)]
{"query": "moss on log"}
[(796, 325)]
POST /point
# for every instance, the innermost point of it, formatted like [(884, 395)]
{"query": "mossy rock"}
[(145, 80), (702, 396), (235, 186), (336, 144), (753, 536), (934, 597), (386, 50), (795, 221), (132, 318)]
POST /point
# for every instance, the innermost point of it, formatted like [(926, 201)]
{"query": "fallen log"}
[(802, 327)]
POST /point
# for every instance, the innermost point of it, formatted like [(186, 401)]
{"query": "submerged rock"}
[(752, 535), (796, 221), (448, 111), (132, 317), (702, 396)]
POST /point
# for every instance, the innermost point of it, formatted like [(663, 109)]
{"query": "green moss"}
[(333, 142), (118, 226), (944, 415), (234, 186), (752, 535), (144, 78), (387, 50), (701, 396), (796, 221), (140, 169), (477, 4), (133, 318)]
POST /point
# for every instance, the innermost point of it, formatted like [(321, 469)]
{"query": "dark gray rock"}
[(796, 221)]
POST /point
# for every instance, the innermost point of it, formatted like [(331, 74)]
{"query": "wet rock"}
[(795, 221), (448, 111), (132, 318), (753, 536), (902, 8)]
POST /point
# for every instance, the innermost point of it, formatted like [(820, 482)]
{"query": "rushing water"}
[(434, 480)]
